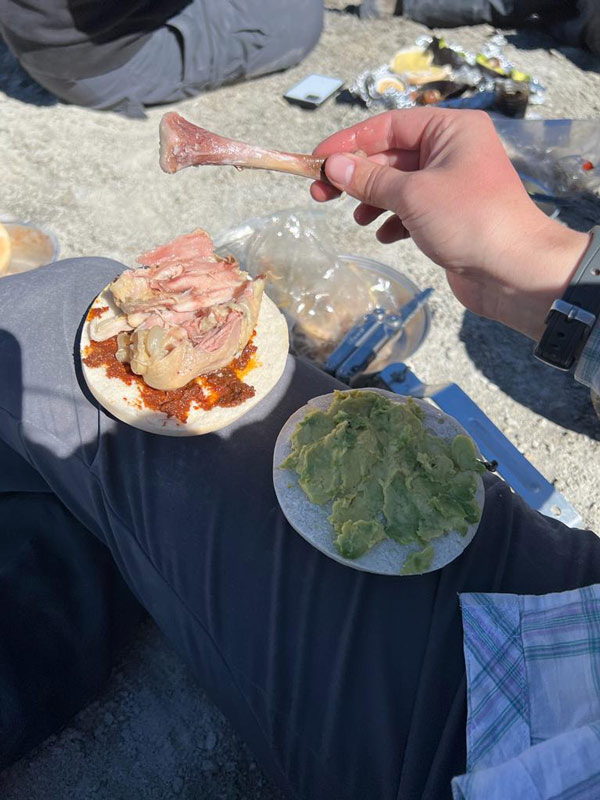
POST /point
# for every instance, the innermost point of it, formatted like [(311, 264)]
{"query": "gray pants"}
[(209, 43), (450, 13), (346, 685)]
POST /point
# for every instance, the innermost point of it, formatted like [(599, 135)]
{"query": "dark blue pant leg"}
[(66, 614), (345, 684)]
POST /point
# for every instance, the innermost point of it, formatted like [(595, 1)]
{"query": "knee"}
[(314, 24), (296, 28), (68, 268), (85, 271), (82, 278), (449, 13), (306, 20), (71, 282)]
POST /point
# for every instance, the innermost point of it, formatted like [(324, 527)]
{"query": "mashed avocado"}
[(385, 474)]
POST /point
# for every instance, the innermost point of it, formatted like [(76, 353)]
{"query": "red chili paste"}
[(221, 388), (96, 312)]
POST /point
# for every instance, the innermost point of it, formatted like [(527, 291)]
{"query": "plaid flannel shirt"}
[(533, 696), (533, 683), (587, 370)]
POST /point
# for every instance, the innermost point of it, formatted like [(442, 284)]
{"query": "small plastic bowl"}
[(387, 283), (31, 246)]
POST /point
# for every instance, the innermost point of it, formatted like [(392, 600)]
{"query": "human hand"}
[(449, 184)]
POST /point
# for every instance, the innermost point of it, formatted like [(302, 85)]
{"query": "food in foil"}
[(436, 91), (420, 77), (395, 84), (471, 80), (413, 59)]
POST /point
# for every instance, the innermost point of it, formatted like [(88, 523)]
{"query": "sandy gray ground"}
[(93, 178)]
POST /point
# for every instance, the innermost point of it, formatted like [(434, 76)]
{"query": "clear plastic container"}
[(382, 286), (31, 246), (322, 293)]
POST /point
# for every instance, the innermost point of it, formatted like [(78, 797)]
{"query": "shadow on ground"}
[(581, 210), (505, 358), (153, 735), (15, 82), (534, 38)]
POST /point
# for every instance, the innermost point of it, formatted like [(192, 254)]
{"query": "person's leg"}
[(66, 614), (231, 40), (452, 13), (503, 13), (591, 26), (209, 43), (345, 684), (581, 28), (153, 75), (16, 474)]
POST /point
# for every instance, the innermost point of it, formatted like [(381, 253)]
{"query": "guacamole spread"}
[(385, 475)]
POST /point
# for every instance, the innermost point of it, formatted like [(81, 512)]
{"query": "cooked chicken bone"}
[(183, 144)]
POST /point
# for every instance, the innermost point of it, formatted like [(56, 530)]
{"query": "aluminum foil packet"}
[(436, 72)]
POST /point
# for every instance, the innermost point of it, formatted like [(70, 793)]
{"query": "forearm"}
[(540, 266)]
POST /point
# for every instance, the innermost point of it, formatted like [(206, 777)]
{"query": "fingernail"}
[(339, 169)]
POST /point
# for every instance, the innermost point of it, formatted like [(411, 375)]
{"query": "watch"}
[(571, 319)]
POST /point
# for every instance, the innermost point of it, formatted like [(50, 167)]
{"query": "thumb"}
[(373, 184)]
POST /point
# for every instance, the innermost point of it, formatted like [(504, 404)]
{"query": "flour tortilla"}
[(310, 520), (124, 401)]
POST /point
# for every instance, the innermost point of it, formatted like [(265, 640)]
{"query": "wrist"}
[(542, 263)]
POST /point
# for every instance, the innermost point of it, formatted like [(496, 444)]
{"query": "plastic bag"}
[(318, 292), (322, 293), (563, 154)]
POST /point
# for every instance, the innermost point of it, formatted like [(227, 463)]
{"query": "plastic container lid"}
[(31, 246)]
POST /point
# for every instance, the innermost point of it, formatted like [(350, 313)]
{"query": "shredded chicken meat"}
[(185, 312)]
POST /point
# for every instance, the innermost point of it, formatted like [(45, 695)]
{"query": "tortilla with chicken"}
[(185, 344)]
